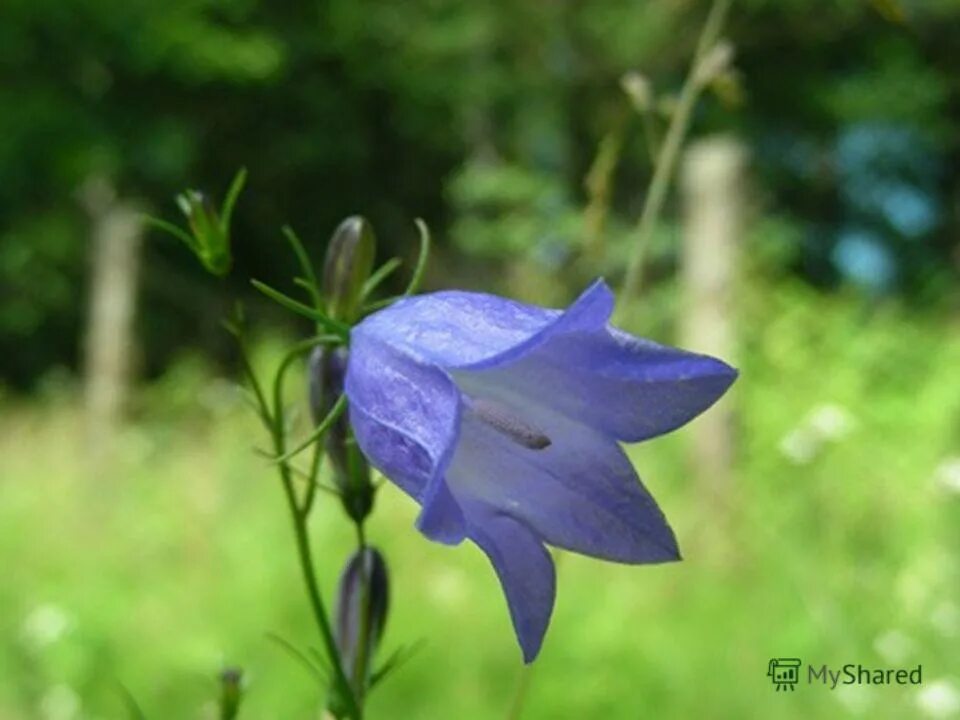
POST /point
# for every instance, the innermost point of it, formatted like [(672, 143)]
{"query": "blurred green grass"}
[(836, 545)]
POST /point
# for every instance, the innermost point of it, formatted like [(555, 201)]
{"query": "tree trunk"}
[(713, 204), (116, 238)]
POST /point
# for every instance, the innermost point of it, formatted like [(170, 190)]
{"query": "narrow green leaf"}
[(422, 258), (379, 275), (310, 276), (172, 229), (318, 431), (322, 673), (236, 187), (397, 659), (335, 326)]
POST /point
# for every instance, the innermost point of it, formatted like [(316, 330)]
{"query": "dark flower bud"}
[(347, 267), (363, 599), (351, 472), (319, 401), (231, 692)]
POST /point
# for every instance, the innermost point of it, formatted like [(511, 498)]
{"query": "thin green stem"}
[(520, 696), (313, 592), (669, 150), (313, 483), (302, 537), (651, 134), (259, 396), (275, 424)]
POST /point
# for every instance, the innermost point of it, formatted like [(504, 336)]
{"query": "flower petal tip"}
[(441, 518), (664, 550), (531, 654)]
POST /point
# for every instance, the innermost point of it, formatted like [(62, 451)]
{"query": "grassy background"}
[(837, 544)]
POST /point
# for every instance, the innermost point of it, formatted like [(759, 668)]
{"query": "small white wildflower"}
[(855, 698), (939, 699), (946, 618), (60, 702), (831, 421), (800, 446), (947, 475), (44, 625), (894, 646)]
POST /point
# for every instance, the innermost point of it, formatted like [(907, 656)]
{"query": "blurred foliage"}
[(836, 544), (484, 118)]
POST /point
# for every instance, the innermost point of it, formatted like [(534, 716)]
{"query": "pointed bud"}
[(363, 599), (211, 239), (327, 369), (347, 267), (231, 692), (209, 229)]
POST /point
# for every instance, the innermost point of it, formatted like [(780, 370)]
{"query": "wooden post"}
[(116, 238), (713, 191)]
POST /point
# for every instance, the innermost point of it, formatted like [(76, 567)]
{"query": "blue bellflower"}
[(503, 421)]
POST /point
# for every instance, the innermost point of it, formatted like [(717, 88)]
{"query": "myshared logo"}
[(786, 673)]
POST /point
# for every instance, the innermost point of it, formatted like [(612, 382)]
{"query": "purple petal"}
[(474, 330), (406, 418), (629, 388), (525, 570), (580, 492)]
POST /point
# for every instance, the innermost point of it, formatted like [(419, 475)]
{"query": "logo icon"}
[(784, 673)]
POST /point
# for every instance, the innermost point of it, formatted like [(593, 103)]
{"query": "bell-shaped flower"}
[(503, 421)]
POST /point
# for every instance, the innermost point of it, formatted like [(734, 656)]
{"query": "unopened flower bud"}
[(211, 238), (347, 267), (363, 599), (208, 234), (231, 692), (327, 368)]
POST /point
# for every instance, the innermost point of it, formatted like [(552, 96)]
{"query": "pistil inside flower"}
[(506, 422)]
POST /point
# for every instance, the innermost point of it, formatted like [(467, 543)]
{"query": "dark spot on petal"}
[(504, 421)]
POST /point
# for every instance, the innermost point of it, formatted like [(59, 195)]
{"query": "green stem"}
[(520, 696), (275, 425), (313, 481), (313, 593), (669, 150)]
